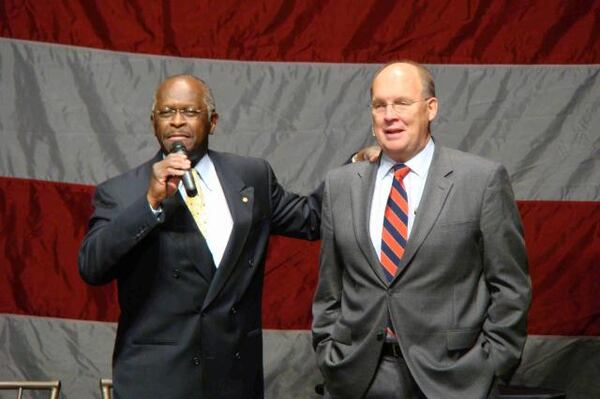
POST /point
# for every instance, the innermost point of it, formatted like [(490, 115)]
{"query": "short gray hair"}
[(208, 98)]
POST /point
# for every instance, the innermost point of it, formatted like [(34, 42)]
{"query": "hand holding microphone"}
[(166, 175), (187, 178)]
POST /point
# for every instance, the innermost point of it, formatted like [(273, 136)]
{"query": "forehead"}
[(180, 91), (401, 80)]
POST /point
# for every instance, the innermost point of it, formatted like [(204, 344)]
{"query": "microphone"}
[(187, 178)]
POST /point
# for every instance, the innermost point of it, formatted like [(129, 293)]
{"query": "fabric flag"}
[(518, 82)]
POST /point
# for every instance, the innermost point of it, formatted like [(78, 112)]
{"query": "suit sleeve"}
[(114, 230), (294, 215), (327, 301), (506, 273)]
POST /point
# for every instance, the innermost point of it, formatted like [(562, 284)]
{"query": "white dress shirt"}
[(219, 221), (414, 183)]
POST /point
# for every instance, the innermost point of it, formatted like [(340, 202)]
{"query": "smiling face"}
[(179, 93), (400, 111)]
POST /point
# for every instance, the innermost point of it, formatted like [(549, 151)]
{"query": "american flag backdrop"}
[(518, 82)]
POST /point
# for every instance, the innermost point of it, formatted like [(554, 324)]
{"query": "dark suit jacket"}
[(184, 333), (459, 302)]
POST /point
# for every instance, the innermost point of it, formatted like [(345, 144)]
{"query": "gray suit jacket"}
[(459, 301), (187, 330)]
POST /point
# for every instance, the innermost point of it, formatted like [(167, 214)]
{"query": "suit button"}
[(237, 355), (196, 361), (250, 262), (381, 335), (233, 310), (176, 273)]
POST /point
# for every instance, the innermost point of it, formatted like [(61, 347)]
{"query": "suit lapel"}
[(361, 196), (435, 193), (240, 200)]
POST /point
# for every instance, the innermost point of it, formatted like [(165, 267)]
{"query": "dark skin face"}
[(177, 93), (181, 92)]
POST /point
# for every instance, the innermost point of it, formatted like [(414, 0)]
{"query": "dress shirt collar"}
[(208, 174), (419, 164)]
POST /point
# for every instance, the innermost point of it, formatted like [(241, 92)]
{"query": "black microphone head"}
[(178, 146)]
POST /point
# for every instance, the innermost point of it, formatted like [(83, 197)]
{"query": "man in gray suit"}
[(423, 289)]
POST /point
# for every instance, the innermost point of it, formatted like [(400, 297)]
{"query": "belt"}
[(391, 349)]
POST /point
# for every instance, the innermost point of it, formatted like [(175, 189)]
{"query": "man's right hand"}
[(165, 178)]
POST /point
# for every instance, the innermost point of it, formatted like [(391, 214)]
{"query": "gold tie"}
[(196, 204)]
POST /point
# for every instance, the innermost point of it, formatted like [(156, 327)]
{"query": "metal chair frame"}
[(106, 388), (21, 386)]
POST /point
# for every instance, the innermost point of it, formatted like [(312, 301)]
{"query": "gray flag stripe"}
[(79, 352), (81, 115)]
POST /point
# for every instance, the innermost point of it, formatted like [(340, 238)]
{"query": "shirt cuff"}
[(157, 212)]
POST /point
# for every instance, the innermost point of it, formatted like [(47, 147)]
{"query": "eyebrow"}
[(375, 99)]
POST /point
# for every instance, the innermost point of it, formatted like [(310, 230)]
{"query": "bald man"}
[(189, 266), (423, 287)]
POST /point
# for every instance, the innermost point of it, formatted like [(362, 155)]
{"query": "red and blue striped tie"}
[(395, 224)]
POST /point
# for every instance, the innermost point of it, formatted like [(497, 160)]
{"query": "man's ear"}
[(432, 108), (213, 122)]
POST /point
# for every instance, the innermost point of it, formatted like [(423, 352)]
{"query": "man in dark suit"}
[(190, 323), (423, 289)]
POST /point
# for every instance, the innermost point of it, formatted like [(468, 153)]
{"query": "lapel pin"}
[(244, 199)]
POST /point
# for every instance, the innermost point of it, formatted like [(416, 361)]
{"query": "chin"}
[(395, 153), (395, 147)]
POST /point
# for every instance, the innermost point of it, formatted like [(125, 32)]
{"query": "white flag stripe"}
[(39, 344), (81, 115)]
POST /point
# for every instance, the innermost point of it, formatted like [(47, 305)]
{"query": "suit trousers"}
[(392, 380)]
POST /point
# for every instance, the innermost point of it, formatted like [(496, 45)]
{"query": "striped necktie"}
[(196, 204), (395, 224)]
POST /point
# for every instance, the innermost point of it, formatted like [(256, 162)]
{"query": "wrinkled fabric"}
[(435, 31), (70, 117), (79, 354), (46, 221), (81, 116)]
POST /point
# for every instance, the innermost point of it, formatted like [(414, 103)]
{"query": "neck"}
[(195, 155), (198, 153)]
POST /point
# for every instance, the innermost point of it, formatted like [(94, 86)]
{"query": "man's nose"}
[(178, 119), (389, 112)]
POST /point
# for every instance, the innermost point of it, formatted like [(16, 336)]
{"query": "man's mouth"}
[(393, 132), (178, 135)]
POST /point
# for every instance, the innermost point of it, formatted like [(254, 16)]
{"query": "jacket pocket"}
[(457, 340)]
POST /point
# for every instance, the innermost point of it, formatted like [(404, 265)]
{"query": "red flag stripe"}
[(369, 31), (40, 272)]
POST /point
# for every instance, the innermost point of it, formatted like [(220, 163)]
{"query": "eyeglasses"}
[(399, 105), (187, 112)]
